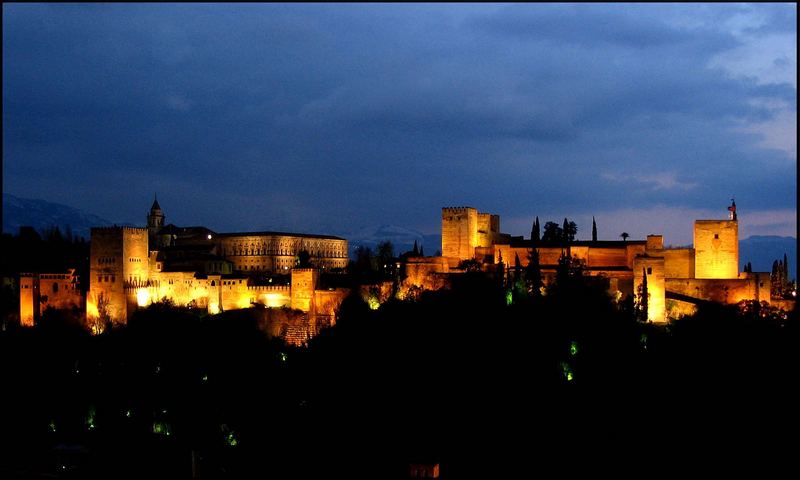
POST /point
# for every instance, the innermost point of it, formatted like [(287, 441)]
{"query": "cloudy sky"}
[(331, 118)]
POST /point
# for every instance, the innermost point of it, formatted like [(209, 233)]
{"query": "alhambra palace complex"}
[(194, 266)]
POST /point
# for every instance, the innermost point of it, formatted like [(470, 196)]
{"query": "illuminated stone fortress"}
[(131, 267), (677, 278)]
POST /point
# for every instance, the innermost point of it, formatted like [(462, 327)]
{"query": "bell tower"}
[(155, 220)]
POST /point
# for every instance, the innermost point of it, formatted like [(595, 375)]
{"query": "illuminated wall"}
[(678, 262), (716, 245), (271, 252), (39, 292), (653, 267), (459, 232), (751, 286), (425, 272), (28, 299), (304, 282), (119, 262), (488, 230)]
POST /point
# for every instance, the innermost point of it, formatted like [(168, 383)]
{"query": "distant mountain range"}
[(759, 250), (402, 239), (43, 215), (762, 250)]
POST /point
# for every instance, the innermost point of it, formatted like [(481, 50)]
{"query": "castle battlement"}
[(269, 288), (119, 229), (456, 209)]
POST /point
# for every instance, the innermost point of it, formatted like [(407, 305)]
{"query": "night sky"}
[(332, 118)]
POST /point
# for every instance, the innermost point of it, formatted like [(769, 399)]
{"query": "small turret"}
[(155, 221), (732, 210)]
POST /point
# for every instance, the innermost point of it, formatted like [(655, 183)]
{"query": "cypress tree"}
[(533, 273), (594, 230), (643, 297), (415, 252), (535, 234)]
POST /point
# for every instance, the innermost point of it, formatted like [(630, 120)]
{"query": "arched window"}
[(55, 288)]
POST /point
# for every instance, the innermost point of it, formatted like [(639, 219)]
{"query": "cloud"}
[(376, 114), (654, 181)]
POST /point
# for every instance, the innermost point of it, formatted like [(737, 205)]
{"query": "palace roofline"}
[(278, 234)]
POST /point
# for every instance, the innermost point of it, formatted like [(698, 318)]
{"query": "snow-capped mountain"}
[(402, 239), (43, 215)]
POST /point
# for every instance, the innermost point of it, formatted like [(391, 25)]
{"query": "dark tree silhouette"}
[(594, 230), (535, 234), (570, 230), (642, 299), (303, 259), (624, 236), (533, 274), (552, 232)]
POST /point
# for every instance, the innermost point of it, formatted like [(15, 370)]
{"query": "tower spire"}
[(732, 210)]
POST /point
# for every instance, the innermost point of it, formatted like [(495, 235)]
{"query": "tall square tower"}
[(716, 245)]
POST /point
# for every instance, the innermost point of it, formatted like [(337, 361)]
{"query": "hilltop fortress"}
[(132, 267), (677, 278)]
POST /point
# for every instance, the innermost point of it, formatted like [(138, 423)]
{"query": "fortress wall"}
[(304, 282), (118, 256), (327, 303), (606, 257), (28, 299), (716, 245), (136, 256), (272, 296), (755, 287), (488, 227), (653, 267), (631, 251), (60, 291), (459, 232), (654, 242), (235, 294), (678, 263), (421, 271)]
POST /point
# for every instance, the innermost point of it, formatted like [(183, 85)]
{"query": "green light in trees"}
[(509, 297), (128, 413), (205, 378), (373, 302), (566, 370), (573, 348), (643, 340), (284, 357), (52, 426), (162, 428), (230, 439), (90, 418)]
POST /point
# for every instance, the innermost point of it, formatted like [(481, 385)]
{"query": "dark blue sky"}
[(330, 118)]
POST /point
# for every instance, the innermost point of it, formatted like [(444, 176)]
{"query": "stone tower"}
[(155, 220), (716, 245), (119, 272), (463, 229), (653, 268)]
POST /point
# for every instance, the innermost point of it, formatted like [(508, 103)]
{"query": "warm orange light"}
[(213, 308), (142, 297)]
